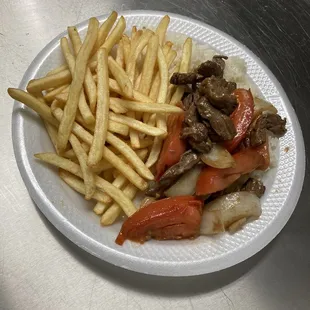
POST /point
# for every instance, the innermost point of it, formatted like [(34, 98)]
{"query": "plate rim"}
[(135, 263)]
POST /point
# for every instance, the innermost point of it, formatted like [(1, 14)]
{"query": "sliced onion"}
[(218, 157), (186, 185), (261, 106), (211, 223), (236, 206), (237, 225), (146, 201)]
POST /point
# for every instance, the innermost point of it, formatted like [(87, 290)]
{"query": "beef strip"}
[(190, 99), (197, 131), (197, 137), (214, 67), (188, 160), (157, 189), (257, 133), (191, 115), (220, 122), (220, 93), (185, 78), (255, 186)]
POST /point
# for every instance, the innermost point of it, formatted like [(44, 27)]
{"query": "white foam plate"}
[(73, 216)]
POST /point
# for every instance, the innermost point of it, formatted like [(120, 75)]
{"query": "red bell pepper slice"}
[(173, 147), (171, 218), (242, 117)]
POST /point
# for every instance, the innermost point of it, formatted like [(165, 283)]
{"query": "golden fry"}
[(89, 83), (67, 120), (50, 96), (121, 77), (146, 107), (135, 52), (130, 155), (82, 104), (148, 66), (88, 175), (114, 211), (162, 29), (120, 54), (137, 125), (35, 104), (79, 186), (184, 67), (51, 81), (66, 164), (104, 30), (102, 110)]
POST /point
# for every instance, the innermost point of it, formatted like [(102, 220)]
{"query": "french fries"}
[(137, 125), (82, 104), (121, 77), (105, 110), (67, 120), (117, 195), (102, 110), (184, 67)]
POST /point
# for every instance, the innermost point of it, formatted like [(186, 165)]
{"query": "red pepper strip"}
[(212, 180), (241, 117), (173, 147), (171, 218)]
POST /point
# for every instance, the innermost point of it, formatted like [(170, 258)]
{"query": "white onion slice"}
[(236, 206), (211, 223), (186, 185), (218, 157)]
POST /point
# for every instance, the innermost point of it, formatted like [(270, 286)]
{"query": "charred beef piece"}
[(214, 137), (214, 67), (202, 146), (191, 115), (255, 186), (220, 122), (157, 189), (188, 160), (220, 93), (185, 78), (197, 131), (190, 99), (197, 137), (257, 133)]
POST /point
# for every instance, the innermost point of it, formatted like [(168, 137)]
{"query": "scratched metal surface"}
[(40, 269)]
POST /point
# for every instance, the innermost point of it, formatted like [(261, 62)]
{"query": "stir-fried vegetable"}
[(235, 207), (171, 218), (218, 157), (211, 223), (241, 117), (212, 180), (173, 147), (186, 184)]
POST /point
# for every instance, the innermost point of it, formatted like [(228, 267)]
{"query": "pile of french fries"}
[(105, 110)]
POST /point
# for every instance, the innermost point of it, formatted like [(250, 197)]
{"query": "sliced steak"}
[(188, 160), (220, 122), (191, 115), (214, 67), (190, 99), (185, 78), (220, 93), (255, 186), (257, 133)]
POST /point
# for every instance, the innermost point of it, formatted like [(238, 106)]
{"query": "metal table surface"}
[(41, 269)]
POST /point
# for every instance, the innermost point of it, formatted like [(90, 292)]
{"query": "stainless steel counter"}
[(41, 269)]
